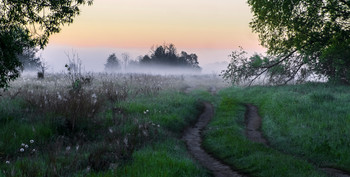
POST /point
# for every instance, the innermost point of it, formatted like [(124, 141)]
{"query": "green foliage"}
[(12, 42), (335, 61), (305, 35), (255, 69), (27, 24)]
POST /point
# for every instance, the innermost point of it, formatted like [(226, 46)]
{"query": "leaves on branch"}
[(29, 23)]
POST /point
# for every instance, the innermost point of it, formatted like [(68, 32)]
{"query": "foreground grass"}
[(167, 158), (305, 121), (131, 126), (224, 137), (130, 134)]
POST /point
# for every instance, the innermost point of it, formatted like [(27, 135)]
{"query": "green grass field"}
[(131, 125), (306, 125)]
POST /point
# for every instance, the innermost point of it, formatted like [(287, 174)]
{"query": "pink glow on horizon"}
[(140, 24)]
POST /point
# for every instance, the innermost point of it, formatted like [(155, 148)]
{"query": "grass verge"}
[(224, 137), (307, 121), (310, 120)]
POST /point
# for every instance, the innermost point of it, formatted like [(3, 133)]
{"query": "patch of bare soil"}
[(253, 132), (192, 137), (253, 125)]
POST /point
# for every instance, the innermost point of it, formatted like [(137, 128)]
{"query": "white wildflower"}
[(77, 147), (94, 98), (33, 150), (7, 162), (31, 141), (110, 130), (26, 146), (23, 144), (67, 148), (59, 96), (21, 150), (126, 141), (158, 125)]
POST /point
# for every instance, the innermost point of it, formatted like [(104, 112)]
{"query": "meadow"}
[(132, 124), (78, 125), (307, 127)]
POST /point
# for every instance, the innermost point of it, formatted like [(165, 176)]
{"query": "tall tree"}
[(113, 63), (302, 37), (29, 23)]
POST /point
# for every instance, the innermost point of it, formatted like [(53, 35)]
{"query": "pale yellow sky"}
[(143, 23), (211, 29)]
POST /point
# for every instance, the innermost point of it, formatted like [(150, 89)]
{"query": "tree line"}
[(162, 55)]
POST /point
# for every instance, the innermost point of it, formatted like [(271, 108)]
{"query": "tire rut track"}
[(192, 137), (253, 132)]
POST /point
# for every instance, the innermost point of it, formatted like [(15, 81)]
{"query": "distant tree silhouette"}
[(113, 63), (126, 60), (29, 60), (189, 59), (167, 55), (145, 60)]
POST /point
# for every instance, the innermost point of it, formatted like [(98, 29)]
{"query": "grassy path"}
[(253, 123), (192, 137)]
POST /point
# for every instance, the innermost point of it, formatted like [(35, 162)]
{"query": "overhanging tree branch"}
[(257, 76), (280, 61)]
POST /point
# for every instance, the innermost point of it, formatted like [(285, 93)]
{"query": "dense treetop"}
[(113, 63), (167, 55)]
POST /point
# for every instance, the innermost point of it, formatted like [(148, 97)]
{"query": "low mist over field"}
[(93, 59)]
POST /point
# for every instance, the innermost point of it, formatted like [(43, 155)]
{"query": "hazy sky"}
[(211, 29)]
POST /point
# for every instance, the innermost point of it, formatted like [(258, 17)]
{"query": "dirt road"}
[(192, 137)]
